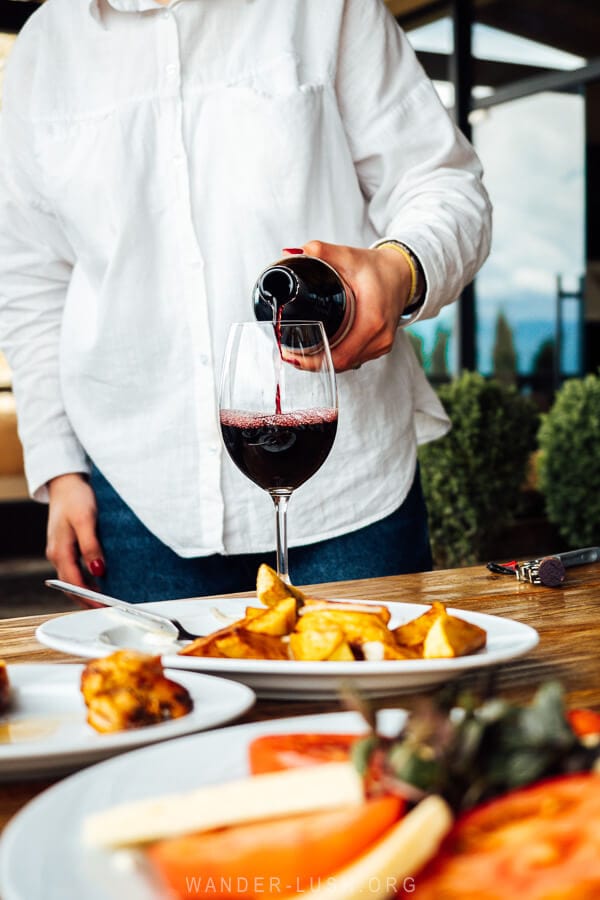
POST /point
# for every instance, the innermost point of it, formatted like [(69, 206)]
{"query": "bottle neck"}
[(278, 286)]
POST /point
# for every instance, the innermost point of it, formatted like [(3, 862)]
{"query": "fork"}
[(169, 627)]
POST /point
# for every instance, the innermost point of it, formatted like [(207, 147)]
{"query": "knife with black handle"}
[(579, 557)]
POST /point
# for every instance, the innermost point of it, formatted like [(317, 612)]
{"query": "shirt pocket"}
[(271, 123)]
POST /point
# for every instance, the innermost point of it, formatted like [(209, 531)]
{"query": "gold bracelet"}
[(411, 264)]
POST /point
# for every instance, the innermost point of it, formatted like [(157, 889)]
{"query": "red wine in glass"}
[(281, 450), (278, 408)]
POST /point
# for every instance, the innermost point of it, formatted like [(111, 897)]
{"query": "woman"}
[(156, 157)]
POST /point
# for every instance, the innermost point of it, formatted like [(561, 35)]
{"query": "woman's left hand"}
[(381, 281)]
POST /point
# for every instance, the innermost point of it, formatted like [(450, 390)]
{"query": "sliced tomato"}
[(538, 843), (273, 752), (584, 721), (271, 858)]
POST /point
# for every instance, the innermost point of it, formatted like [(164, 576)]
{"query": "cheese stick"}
[(268, 796)]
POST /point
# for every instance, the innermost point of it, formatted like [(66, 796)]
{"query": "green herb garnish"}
[(469, 749)]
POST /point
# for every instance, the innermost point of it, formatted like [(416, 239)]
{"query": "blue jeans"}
[(140, 568)]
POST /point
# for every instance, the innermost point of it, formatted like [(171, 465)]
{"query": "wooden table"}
[(567, 618)]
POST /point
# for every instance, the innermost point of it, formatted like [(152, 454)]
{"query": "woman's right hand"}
[(72, 529)]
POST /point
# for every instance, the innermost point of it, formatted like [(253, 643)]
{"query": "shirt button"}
[(165, 14), (213, 449), (171, 69), (203, 359)]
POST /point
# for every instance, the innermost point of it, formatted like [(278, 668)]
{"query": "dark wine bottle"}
[(304, 288)]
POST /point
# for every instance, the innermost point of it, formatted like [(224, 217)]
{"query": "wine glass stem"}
[(281, 499)]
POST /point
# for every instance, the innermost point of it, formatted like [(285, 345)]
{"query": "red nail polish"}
[(295, 250), (97, 567)]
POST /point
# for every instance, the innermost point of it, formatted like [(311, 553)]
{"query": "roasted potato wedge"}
[(342, 653), (450, 636), (438, 635), (252, 612), (279, 619), (243, 644), (377, 651), (413, 633), (312, 604), (270, 588), (276, 622), (319, 645), (207, 645)]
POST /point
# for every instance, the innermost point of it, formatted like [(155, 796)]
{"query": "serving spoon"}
[(171, 628)]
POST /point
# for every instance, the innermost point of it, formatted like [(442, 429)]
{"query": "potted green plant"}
[(472, 477), (569, 461)]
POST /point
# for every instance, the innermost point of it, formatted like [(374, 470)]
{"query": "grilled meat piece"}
[(129, 690)]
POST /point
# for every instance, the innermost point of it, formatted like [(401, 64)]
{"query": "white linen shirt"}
[(154, 160)]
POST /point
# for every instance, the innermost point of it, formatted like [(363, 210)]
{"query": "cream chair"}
[(12, 478)]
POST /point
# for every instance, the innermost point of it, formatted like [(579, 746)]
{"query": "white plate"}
[(46, 733), (41, 857), (100, 631)]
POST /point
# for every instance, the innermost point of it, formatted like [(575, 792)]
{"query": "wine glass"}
[(278, 409)]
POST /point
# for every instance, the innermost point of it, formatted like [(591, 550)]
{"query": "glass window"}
[(532, 150), (434, 339)]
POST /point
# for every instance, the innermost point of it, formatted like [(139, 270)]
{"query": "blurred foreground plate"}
[(41, 856)]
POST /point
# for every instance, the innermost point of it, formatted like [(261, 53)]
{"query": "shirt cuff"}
[(60, 456)]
